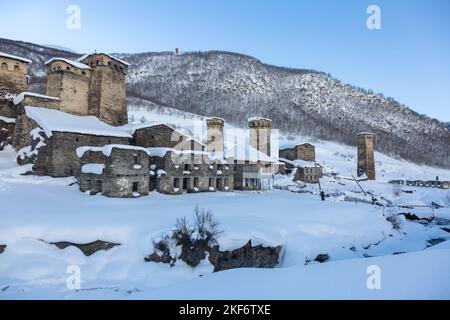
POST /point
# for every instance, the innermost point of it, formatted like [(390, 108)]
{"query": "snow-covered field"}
[(356, 235)]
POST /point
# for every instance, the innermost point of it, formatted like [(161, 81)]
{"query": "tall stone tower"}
[(260, 134), (366, 160), (107, 93), (69, 81), (215, 135), (13, 73)]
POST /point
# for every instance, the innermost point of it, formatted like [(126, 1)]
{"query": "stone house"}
[(309, 174), (117, 171), (174, 172), (305, 151), (14, 72), (163, 136), (49, 139)]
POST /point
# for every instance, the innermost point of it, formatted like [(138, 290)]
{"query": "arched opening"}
[(4, 66), (16, 69), (67, 68)]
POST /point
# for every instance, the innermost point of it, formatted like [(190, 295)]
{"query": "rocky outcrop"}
[(321, 258), (413, 217), (248, 256), (87, 248), (2, 248)]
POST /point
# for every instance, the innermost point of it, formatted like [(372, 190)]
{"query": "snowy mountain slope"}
[(236, 87), (344, 226)]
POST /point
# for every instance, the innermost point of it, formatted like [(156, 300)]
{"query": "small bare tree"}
[(393, 217), (396, 189)]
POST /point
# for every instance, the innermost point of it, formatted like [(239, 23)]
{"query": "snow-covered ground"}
[(37, 210)]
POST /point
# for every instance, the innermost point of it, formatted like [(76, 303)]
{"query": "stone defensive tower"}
[(215, 135), (107, 93), (14, 73), (69, 81), (366, 160), (260, 134)]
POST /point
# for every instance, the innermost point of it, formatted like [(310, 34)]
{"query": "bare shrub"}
[(396, 189), (206, 227), (393, 218)]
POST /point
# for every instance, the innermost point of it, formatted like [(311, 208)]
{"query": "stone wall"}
[(13, 74), (70, 85), (366, 159), (260, 133), (195, 175), (215, 135), (107, 92), (308, 174), (59, 158), (163, 136), (305, 151), (42, 102), (21, 137), (6, 132), (125, 175)]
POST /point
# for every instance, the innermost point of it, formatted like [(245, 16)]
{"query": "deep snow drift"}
[(37, 210)]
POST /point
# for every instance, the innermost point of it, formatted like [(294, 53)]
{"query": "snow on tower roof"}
[(108, 55), (10, 56), (51, 120), (75, 64), (258, 118)]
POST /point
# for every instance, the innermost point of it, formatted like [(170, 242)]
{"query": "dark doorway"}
[(185, 183), (135, 186)]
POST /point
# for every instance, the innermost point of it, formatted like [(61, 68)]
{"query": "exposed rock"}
[(413, 217), (433, 242), (164, 258), (246, 257), (2, 248), (87, 248), (446, 229), (322, 258)]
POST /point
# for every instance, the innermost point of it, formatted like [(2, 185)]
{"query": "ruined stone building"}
[(174, 172), (161, 135), (49, 139), (304, 151), (309, 173), (366, 159), (117, 171)]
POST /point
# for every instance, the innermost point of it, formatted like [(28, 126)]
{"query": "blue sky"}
[(408, 59)]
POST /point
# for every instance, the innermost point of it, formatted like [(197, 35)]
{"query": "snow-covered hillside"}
[(236, 87), (352, 232)]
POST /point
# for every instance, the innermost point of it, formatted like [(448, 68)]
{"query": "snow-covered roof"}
[(245, 152), (161, 152), (7, 120), (131, 128), (365, 133), (107, 149), (19, 98), (75, 64), (95, 168), (51, 120), (10, 56), (108, 55), (215, 118)]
